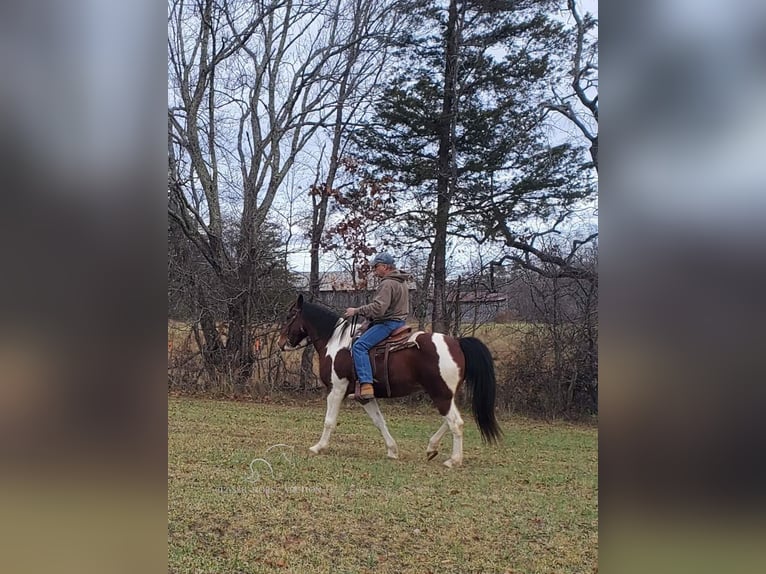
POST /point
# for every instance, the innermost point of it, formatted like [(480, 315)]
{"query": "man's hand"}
[(350, 312)]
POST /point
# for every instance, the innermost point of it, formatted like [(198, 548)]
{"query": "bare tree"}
[(578, 104), (371, 27), (583, 84), (555, 370), (529, 254), (251, 85)]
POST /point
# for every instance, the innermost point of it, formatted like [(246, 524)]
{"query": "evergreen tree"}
[(460, 124)]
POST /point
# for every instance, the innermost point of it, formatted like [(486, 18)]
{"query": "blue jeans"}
[(361, 348)]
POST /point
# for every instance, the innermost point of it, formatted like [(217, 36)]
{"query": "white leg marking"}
[(334, 400), (455, 423), (433, 444), (373, 410), (341, 339)]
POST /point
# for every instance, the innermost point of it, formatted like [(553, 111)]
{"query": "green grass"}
[(528, 505)]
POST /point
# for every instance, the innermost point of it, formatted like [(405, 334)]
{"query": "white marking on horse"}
[(448, 368), (433, 444), (373, 410), (341, 339), (455, 423)]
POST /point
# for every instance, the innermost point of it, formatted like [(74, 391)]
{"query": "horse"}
[(438, 363)]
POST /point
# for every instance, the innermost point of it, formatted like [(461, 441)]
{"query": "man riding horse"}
[(437, 363), (388, 311)]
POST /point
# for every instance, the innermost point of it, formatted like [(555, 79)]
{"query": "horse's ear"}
[(299, 304)]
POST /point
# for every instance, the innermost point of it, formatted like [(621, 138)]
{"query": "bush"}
[(553, 371), (550, 376)]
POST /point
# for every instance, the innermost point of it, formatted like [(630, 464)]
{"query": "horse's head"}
[(293, 332)]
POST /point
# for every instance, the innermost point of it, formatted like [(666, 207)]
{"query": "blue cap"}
[(382, 258)]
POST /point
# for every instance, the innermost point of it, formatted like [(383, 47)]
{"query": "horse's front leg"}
[(334, 400), (373, 410)]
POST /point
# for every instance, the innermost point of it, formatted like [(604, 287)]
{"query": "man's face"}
[(380, 270)]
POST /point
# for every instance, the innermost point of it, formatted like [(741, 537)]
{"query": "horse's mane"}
[(322, 318)]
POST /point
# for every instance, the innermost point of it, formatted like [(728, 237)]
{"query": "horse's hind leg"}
[(455, 423), (433, 444), (373, 410), (334, 399)]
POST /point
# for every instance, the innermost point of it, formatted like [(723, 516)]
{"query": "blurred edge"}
[(82, 300), (682, 223)]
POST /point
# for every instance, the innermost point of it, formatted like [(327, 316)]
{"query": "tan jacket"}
[(391, 301)]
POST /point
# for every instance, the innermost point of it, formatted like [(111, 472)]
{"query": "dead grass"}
[(502, 340), (527, 505)]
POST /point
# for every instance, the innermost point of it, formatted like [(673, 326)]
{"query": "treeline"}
[(545, 337)]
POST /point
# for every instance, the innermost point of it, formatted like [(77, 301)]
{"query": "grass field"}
[(245, 495)]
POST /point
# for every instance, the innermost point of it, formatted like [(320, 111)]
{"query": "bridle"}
[(307, 338), (353, 321)]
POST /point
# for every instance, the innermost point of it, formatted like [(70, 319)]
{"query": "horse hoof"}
[(432, 454), (393, 455), (449, 463), (316, 449)]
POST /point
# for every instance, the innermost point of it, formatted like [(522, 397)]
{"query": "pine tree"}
[(460, 124)]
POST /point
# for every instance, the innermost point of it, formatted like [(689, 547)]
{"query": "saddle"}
[(396, 341)]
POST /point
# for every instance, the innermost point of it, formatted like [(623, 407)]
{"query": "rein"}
[(353, 322), (309, 340)]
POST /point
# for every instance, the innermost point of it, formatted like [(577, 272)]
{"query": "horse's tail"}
[(480, 377)]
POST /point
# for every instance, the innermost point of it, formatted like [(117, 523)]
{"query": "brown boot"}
[(366, 391)]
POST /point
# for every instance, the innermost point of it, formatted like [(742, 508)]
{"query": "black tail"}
[(480, 376)]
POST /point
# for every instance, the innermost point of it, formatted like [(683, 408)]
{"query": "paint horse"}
[(437, 363)]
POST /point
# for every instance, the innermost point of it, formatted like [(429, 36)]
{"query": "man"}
[(388, 310)]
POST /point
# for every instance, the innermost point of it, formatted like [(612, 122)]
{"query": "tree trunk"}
[(456, 309), (445, 180), (422, 295), (239, 348), (212, 352)]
